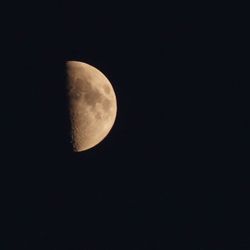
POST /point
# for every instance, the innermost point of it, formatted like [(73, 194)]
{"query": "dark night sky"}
[(172, 173)]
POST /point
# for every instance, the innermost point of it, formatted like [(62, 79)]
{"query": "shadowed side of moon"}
[(92, 105)]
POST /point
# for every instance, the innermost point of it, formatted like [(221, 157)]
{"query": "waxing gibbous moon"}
[(92, 105)]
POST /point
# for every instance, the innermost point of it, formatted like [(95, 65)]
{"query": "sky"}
[(173, 172)]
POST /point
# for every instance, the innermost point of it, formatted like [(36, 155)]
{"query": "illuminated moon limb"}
[(92, 105)]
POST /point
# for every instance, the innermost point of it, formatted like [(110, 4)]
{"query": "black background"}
[(172, 173)]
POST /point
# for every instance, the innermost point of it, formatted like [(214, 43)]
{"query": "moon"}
[(92, 105)]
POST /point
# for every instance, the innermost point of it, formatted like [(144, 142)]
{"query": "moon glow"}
[(92, 105)]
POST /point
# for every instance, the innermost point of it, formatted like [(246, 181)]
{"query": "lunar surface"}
[(92, 105)]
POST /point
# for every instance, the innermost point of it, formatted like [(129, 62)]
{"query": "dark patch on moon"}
[(80, 89), (93, 96), (98, 116)]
